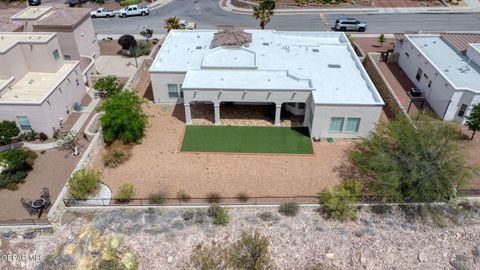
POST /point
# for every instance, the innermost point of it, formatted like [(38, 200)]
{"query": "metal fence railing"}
[(24, 222)]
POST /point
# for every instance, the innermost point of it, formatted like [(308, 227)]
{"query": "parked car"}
[(72, 3), (133, 10), (415, 92), (187, 25), (346, 23), (34, 2), (102, 12)]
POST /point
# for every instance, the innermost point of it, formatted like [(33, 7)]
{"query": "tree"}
[(147, 33), (68, 140), (8, 130), (401, 162), (381, 39), (108, 86), (124, 118), (15, 159), (127, 42), (473, 119), (264, 11), (172, 23)]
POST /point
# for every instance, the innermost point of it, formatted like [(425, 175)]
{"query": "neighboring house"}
[(73, 26), (445, 67), (315, 74), (38, 88)]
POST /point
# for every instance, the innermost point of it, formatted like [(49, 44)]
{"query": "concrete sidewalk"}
[(474, 6)]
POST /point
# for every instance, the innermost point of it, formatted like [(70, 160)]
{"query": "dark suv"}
[(34, 2), (346, 23)]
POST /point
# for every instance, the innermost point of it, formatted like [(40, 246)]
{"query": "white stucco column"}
[(188, 114), (217, 113), (278, 109), (306, 116)]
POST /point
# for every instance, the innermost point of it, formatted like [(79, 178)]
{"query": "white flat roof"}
[(11, 39), (34, 87), (251, 80), (456, 67), (325, 58)]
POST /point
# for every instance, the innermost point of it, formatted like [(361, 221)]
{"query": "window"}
[(24, 123), (172, 90), (67, 57), (408, 55), (462, 110), (425, 75), (56, 55), (430, 84), (352, 125), (181, 91), (419, 74), (77, 82), (336, 124)]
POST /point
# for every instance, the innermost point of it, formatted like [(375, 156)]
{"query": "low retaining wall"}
[(135, 78), (393, 107), (58, 208), (4, 148), (243, 4)]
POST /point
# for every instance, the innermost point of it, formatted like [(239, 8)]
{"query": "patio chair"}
[(28, 206)]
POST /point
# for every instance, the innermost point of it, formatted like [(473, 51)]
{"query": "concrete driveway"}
[(117, 65)]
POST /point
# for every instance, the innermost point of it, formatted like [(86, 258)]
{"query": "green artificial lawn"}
[(247, 139)]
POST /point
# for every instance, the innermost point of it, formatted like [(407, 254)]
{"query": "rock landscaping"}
[(381, 237)]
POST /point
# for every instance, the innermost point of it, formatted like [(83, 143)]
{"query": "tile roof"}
[(460, 41), (231, 38), (6, 24), (63, 17)]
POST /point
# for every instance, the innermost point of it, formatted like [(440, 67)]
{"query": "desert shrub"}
[(266, 216), (116, 154), (17, 159), (8, 130), (250, 252), (188, 214), (183, 196), (157, 198), (11, 180), (207, 257), (125, 193), (402, 162), (213, 197), (28, 136), (83, 183), (200, 216), (340, 201), (242, 197), (219, 214), (155, 41), (124, 3), (289, 209)]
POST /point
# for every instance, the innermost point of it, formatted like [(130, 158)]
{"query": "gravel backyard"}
[(156, 165), (386, 239)]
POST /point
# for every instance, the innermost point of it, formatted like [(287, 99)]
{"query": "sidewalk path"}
[(229, 7)]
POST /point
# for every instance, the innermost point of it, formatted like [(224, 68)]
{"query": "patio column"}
[(217, 113), (278, 109), (188, 114)]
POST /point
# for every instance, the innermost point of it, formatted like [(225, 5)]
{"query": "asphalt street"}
[(207, 14)]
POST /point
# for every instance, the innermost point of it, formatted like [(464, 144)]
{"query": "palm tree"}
[(264, 11), (172, 23)]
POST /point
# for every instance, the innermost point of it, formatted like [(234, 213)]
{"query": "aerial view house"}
[(315, 74), (74, 28), (445, 68), (38, 88)]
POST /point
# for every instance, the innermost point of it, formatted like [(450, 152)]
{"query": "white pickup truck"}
[(187, 25), (102, 12), (133, 10)]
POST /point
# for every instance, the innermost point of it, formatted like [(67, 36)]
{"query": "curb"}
[(156, 5)]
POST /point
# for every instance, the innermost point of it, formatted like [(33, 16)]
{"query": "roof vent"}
[(314, 50), (266, 44), (447, 70), (198, 47), (334, 66)]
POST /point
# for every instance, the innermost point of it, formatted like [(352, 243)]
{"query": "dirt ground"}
[(157, 165)]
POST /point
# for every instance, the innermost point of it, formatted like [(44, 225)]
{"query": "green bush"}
[(250, 252), (125, 193), (8, 130), (213, 197), (124, 118), (183, 196), (124, 3), (83, 183), (340, 201), (219, 214), (157, 198), (28, 136), (10, 180), (289, 209), (108, 86), (155, 41), (17, 159)]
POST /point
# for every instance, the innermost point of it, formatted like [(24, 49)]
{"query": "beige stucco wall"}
[(159, 86), (45, 117), (320, 125), (86, 39), (13, 64)]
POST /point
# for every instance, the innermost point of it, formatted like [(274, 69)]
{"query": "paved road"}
[(207, 14)]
